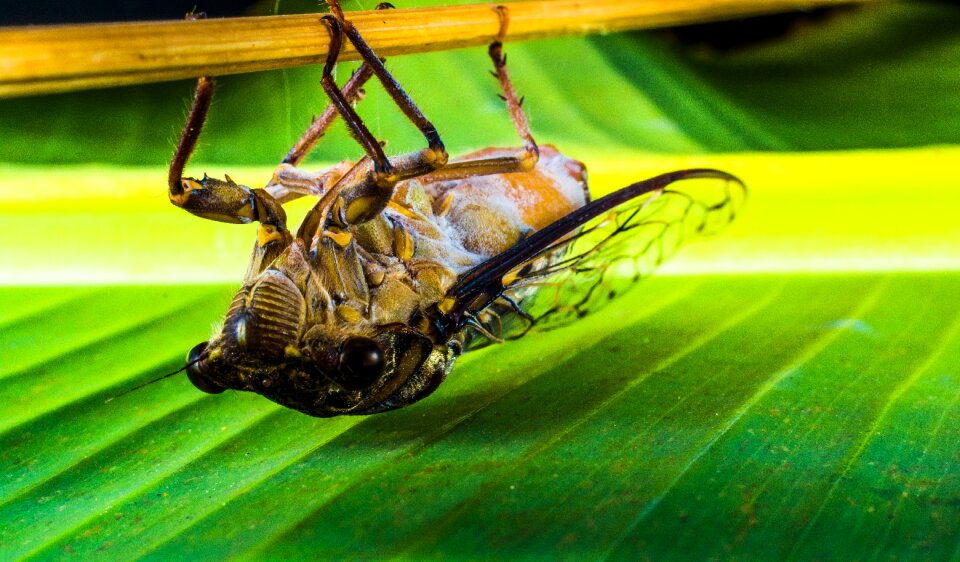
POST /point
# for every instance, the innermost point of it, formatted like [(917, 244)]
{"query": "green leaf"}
[(746, 415), (788, 389)]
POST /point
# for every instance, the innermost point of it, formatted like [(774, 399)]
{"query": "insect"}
[(405, 262)]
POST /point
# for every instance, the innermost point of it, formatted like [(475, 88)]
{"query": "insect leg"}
[(221, 200), (288, 182), (191, 132), (525, 159), (365, 191), (400, 97), (352, 91)]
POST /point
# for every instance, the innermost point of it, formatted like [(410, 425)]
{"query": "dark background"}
[(26, 13)]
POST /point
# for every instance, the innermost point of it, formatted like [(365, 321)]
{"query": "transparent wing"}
[(578, 264)]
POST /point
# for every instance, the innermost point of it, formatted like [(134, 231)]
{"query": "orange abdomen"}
[(491, 213)]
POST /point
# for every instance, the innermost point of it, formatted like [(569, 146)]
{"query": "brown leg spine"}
[(191, 132), (509, 94)]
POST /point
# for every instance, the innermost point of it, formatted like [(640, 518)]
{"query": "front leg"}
[(223, 200), (289, 182)]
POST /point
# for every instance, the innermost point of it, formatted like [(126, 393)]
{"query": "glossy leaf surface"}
[(789, 389)]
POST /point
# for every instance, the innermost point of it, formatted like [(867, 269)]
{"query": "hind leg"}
[(522, 160)]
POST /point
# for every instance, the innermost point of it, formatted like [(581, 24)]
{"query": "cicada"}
[(406, 262)]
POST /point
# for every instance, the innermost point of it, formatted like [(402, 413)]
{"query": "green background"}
[(787, 389)]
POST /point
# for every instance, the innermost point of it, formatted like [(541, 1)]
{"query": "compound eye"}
[(361, 363), (197, 371)]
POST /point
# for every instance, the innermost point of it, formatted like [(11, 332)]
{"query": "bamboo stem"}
[(47, 59)]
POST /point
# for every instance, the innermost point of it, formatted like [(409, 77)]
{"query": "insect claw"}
[(476, 325), (494, 74), (521, 100), (501, 96)]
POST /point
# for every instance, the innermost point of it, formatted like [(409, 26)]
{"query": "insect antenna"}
[(158, 379)]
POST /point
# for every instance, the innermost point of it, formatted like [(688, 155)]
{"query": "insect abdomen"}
[(492, 213)]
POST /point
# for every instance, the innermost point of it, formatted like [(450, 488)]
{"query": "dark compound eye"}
[(361, 363), (196, 371)]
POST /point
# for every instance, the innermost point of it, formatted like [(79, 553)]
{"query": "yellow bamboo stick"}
[(44, 59)]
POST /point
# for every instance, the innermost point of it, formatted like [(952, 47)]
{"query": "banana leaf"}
[(788, 389)]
